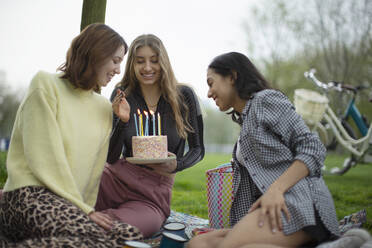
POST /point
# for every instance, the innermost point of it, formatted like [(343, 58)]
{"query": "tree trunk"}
[(93, 11)]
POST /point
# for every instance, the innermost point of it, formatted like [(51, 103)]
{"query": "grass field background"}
[(351, 192)]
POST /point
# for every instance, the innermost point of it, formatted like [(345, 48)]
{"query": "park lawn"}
[(351, 192)]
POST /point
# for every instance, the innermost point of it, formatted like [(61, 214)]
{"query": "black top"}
[(121, 138)]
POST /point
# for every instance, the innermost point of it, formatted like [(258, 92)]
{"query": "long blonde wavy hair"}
[(169, 86)]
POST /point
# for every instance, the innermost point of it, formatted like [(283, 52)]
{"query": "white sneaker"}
[(367, 244), (354, 238)]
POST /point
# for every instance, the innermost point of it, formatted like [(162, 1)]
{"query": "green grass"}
[(189, 194), (351, 192)]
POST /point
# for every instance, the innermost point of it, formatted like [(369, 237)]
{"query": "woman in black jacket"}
[(141, 194)]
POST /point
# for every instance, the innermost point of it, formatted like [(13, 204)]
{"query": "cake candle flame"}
[(140, 122), (153, 122)]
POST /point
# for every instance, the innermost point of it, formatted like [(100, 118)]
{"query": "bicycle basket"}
[(310, 105)]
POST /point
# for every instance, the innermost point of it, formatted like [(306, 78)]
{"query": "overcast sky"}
[(35, 34)]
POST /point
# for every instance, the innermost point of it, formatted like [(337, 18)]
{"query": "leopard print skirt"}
[(33, 216)]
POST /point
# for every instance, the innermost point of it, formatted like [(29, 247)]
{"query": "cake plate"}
[(135, 160)]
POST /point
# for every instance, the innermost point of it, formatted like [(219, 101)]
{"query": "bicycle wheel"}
[(350, 161), (348, 129), (347, 165), (332, 141), (322, 133)]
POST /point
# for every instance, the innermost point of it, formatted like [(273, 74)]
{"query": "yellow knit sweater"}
[(60, 140)]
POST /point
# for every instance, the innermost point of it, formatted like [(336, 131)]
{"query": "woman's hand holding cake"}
[(120, 106), (167, 168)]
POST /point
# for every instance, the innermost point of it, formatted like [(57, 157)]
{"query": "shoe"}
[(367, 244), (354, 238)]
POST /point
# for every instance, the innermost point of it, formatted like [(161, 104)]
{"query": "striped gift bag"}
[(219, 195)]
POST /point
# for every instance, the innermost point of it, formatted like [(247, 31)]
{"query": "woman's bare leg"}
[(261, 246), (247, 232), (210, 239)]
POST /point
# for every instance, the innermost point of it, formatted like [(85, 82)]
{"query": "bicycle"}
[(320, 117), (344, 112)]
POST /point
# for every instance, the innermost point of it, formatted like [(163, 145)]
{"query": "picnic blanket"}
[(355, 220), (192, 223)]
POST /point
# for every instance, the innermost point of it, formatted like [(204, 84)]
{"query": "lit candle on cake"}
[(153, 122), (135, 122), (140, 122), (159, 124), (146, 123)]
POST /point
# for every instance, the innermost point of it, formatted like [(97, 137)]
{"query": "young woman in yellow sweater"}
[(58, 149)]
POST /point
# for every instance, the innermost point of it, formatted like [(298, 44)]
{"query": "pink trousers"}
[(135, 195)]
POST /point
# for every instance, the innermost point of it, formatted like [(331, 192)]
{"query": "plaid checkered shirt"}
[(272, 136)]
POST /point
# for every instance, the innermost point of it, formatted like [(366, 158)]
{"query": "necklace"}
[(151, 106)]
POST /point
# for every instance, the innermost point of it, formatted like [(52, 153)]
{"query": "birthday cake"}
[(150, 147)]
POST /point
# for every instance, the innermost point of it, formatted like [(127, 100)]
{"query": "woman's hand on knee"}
[(101, 219), (271, 204)]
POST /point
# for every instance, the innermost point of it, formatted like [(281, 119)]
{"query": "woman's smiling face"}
[(146, 66), (110, 67), (221, 90)]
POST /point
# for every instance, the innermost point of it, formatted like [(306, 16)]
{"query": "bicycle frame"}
[(353, 111), (358, 147)]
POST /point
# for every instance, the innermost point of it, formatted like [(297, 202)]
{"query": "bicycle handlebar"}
[(327, 86)]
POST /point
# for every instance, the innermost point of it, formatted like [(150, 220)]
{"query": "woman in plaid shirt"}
[(280, 198)]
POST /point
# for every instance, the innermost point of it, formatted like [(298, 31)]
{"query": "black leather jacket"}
[(121, 138)]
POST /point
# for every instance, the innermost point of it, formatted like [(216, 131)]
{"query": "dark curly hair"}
[(248, 79)]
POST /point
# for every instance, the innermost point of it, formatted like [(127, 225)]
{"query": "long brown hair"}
[(88, 50), (168, 84)]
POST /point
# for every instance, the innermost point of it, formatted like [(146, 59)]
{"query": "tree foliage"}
[(332, 36), (339, 39), (9, 102)]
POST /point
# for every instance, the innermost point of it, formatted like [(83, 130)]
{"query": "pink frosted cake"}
[(150, 146)]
